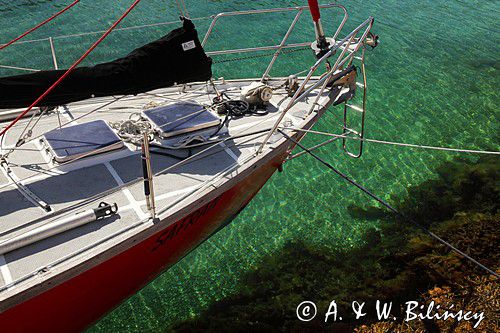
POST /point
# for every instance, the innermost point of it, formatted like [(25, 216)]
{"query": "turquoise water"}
[(432, 81)]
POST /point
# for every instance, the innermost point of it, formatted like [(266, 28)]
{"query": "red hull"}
[(75, 304)]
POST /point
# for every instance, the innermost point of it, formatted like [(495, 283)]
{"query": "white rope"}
[(458, 150), (133, 129)]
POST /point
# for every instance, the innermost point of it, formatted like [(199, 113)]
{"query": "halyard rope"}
[(70, 70), (39, 25), (181, 12)]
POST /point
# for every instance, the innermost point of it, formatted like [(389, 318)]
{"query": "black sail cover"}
[(174, 59)]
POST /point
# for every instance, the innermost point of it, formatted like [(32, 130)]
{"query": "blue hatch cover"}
[(73, 142), (180, 118)]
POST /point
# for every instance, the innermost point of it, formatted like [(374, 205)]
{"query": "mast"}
[(321, 42)]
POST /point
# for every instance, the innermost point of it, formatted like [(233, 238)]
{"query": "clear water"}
[(433, 80)]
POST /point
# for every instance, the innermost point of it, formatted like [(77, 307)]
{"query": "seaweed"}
[(396, 263)]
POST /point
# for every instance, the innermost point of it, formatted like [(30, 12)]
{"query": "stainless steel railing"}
[(215, 20), (342, 59), (303, 90), (283, 44), (273, 10)]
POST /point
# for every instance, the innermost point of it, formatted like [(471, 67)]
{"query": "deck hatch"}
[(181, 118), (69, 143)]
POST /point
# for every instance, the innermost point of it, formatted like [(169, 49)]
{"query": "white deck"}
[(92, 176)]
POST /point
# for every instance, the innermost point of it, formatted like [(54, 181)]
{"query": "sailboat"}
[(110, 174)]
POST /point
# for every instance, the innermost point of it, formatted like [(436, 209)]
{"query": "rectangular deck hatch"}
[(86, 139), (181, 118)]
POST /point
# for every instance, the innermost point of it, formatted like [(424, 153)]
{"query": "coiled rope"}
[(133, 129)]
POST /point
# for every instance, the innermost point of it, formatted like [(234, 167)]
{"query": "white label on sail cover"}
[(188, 45)]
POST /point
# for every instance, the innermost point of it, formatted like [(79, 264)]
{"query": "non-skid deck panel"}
[(62, 190), (83, 183), (28, 162), (127, 168), (75, 186), (3, 180), (15, 210)]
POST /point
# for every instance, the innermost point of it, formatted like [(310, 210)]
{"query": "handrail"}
[(215, 19), (265, 76), (273, 10), (258, 48), (301, 94), (39, 25), (283, 43)]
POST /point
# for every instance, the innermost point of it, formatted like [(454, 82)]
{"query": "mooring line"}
[(391, 208), (401, 144)]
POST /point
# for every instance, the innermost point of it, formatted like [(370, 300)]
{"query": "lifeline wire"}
[(394, 210), (39, 25), (102, 31)]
